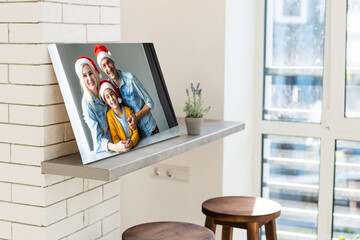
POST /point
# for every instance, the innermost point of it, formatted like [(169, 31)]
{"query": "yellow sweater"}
[(116, 129)]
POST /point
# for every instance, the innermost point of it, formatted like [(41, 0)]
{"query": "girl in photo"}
[(117, 118)]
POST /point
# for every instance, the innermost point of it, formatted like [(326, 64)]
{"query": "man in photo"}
[(131, 92)]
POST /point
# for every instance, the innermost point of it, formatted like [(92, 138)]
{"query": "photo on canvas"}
[(115, 96)]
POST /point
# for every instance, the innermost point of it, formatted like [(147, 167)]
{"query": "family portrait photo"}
[(115, 96)]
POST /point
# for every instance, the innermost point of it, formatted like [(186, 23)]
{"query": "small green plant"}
[(193, 105)]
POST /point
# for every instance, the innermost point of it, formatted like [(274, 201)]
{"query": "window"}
[(294, 61), (291, 177), (308, 132)]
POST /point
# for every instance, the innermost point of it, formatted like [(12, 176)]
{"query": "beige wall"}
[(212, 42), (189, 39)]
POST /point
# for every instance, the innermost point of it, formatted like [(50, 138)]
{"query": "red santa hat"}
[(105, 84), (79, 63), (101, 52)]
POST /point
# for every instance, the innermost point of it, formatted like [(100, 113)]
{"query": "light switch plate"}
[(170, 172)]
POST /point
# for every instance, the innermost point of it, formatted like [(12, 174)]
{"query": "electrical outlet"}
[(170, 172)]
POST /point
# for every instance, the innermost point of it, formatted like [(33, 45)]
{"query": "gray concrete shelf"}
[(121, 164)]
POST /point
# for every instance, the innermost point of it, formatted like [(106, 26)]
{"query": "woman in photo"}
[(117, 117), (94, 109)]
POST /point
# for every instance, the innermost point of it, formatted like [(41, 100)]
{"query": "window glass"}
[(291, 178), (294, 57), (353, 60), (346, 221)]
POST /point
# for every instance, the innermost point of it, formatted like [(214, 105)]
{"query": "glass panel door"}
[(294, 59), (291, 178)]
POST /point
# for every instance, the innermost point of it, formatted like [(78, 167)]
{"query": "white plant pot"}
[(193, 125)]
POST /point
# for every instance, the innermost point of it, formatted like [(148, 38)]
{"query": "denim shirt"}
[(95, 118), (135, 96)]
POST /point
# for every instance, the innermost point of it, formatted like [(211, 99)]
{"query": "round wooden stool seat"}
[(168, 231), (242, 212)]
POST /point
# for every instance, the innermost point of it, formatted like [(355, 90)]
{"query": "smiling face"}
[(90, 79), (111, 98), (108, 66)]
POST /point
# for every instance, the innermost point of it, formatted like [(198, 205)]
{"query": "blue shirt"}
[(135, 96), (95, 118)]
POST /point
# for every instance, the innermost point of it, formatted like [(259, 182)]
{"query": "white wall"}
[(189, 38), (239, 79)]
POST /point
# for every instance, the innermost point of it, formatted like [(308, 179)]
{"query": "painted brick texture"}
[(35, 127)]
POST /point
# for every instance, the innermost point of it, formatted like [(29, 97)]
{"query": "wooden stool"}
[(242, 212), (168, 231)]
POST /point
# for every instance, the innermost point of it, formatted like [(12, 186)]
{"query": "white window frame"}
[(334, 125)]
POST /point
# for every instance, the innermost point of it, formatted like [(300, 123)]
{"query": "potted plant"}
[(194, 110)]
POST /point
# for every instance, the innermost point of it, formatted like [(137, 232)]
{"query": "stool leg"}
[(253, 231), (270, 230), (227, 233), (209, 223)]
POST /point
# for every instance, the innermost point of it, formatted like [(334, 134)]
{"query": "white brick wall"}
[(31, 155), (24, 54), (21, 174), (25, 33), (5, 152), (32, 74), (4, 33), (29, 135), (90, 184), (19, 12), (5, 191), (64, 33), (38, 115), (80, 14), (4, 73), (104, 209), (112, 235), (91, 232), (84, 201), (68, 132), (32, 214), (111, 223), (30, 95), (45, 196), (5, 232), (109, 15), (112, 189), (51, 12), (35, 127), (4, 113)]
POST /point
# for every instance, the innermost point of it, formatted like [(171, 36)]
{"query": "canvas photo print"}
[(115, 96)]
